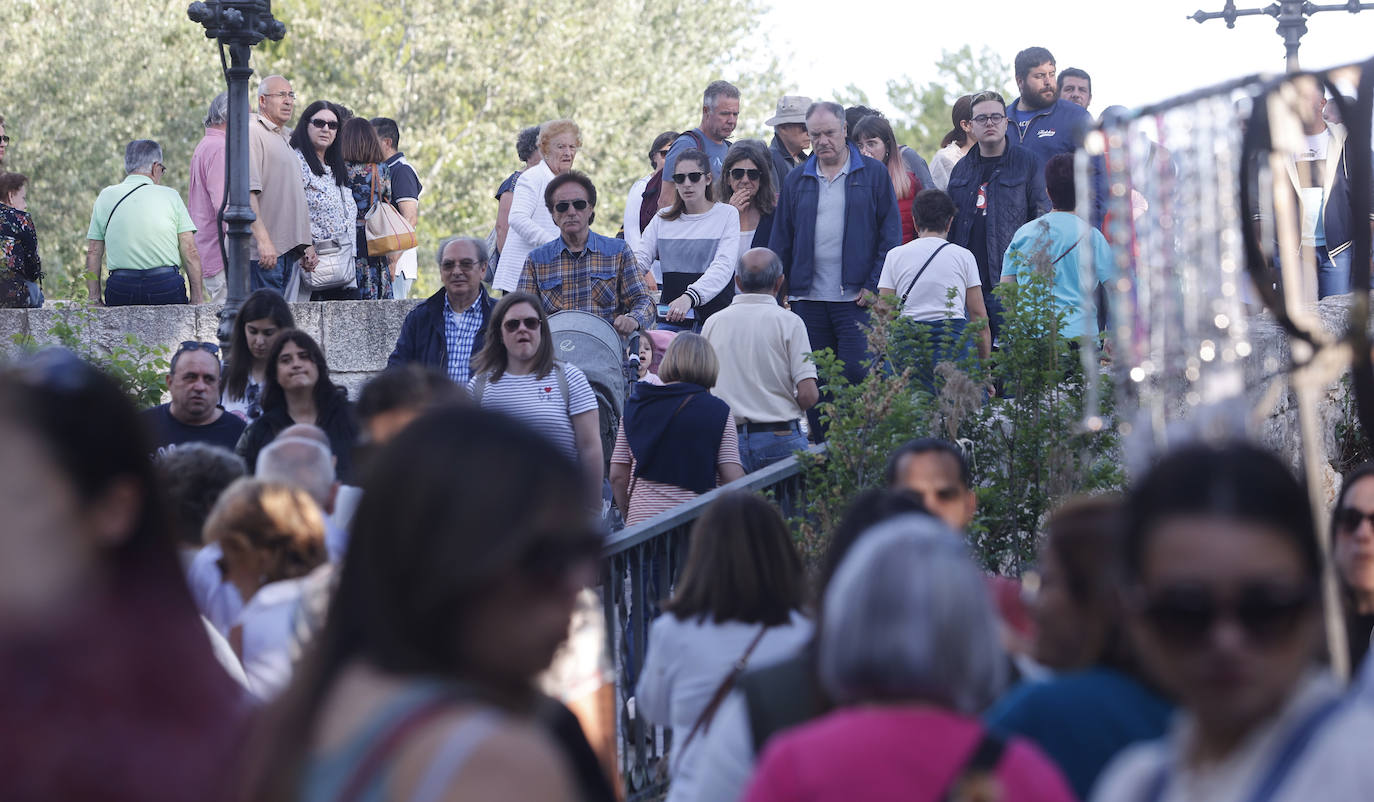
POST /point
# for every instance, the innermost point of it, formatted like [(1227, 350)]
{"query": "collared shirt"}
[(460, 331), (143, 232), (275, 175), (827, 283), (405, 186), (763, 352), (603, 279), (204, 194)]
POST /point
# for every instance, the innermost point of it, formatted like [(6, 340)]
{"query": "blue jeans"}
[(761, 449), (1333, 272), (835, 325), (156, 287), (945, 346), (274, 277)]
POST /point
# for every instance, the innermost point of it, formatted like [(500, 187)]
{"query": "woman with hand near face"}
[(696, 241), (1222, 582), (747, 176), (298, 390), (531, 223), (263, 314)]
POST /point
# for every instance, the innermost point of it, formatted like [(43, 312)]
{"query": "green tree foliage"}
[(461, 78)]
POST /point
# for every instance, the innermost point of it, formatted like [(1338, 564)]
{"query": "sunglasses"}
[(197, 345), (465, 264), (512, 324), (740, 173), (330, 124), (687, 178), (1348, 519), (562, 206), (1266, 613), (550, 562)]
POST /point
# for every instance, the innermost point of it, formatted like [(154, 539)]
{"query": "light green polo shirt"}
[(143, 232)]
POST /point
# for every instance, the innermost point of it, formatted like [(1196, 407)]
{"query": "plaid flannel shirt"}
[(604, 280), (460, 332)]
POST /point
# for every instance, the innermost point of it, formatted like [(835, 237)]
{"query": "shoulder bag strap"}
[(563, 386), (372, 194), (367, 768), (116, 206), (920, 272), (479, 389), (1069, 251), (709, 712)]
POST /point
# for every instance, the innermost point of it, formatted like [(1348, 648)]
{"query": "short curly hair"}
[(554, 128)]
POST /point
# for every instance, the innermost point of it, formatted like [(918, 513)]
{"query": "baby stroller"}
[(597, 349)]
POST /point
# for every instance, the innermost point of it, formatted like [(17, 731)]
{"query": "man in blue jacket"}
[(997, 188), (1047, 125), (448, 329), (835, 222)]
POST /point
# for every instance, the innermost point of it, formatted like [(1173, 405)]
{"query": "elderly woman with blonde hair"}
[(531, 224), (676, 441), (271, 536)]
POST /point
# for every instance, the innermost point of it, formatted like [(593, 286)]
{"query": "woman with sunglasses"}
[(516, 373), (369, 179), (642, 203), (298, 390), (748, 178), (531, 223), (1097, 703), (875, 139), (453, 597), (1352, 533), (1222, 581), (696, 241), (108, 686), (327, 197), (263, 314)]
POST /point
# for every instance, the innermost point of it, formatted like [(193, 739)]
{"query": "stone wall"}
[(357, 336)]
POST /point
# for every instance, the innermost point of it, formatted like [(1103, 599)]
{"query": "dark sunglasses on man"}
[(562, 206)]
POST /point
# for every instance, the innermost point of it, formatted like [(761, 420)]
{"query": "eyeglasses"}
[(291, 95), (318, 123), (740, 173), (1267, 613), (1348, 519), (512, 324), (465, 264), (197, 345), (562, 206), (687, 178), (990, 119)]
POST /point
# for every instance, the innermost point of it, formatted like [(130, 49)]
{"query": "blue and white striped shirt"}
[(460, 331)]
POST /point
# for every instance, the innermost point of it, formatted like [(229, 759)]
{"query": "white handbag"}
[(336, 267)]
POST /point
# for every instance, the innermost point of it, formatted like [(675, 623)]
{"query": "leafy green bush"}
[(139, 368)]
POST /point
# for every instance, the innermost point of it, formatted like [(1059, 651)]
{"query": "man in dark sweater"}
[(193, 415)]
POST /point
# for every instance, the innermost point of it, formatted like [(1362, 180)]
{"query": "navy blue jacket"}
[(1059, 128), (1016, 196), (422, 334), (872, 225)]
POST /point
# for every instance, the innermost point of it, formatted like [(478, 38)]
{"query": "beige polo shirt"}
[(275, 174), (762, 349)]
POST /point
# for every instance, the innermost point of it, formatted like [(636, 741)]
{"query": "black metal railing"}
[(642, 564)]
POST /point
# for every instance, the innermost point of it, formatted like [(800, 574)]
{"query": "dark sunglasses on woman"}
[(687, 178), (1266, 612), (512, 324), (330, 124), (740, 173)]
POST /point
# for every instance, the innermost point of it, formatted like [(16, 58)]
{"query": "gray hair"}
[(825, 105), (908, 617), (218, 113), (301, 463), (478, 244), (140, 155), (759, 278), (526, 142), (267, 79), (717, 90), (194, 475)]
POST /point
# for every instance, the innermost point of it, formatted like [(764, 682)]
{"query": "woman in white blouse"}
[(531, 224), (696, 240)]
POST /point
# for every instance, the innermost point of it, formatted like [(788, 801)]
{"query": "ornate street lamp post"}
[(237, 24), (1292, 17)]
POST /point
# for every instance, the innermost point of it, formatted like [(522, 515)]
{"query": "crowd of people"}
[(263, 589)]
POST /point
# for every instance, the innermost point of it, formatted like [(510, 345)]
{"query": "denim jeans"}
[(156, 287), (274, 277), (761, 449), (835, 325), (1333, 272)]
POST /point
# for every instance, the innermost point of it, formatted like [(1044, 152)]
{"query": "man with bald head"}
[(300, 457), (766, 375), (281, 232)]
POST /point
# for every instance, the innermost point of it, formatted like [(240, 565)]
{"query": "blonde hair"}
[(554, 128), (278, 519), (690, 358)]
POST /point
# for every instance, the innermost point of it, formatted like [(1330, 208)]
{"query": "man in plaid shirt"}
[(581, 269)]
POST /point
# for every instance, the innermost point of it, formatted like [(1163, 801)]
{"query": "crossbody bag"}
[(922, 271)]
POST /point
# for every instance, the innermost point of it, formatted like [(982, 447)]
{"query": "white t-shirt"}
[(538, 403), (953, 269), (685, 664), (217, 600), (267, 622)]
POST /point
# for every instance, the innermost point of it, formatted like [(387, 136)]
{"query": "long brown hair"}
[(679, 205), (874, 126), (765, 199), (492, 359), (360, 142)]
